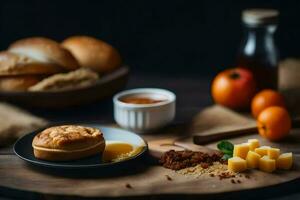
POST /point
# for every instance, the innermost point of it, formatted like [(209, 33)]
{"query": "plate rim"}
[(64, 166)]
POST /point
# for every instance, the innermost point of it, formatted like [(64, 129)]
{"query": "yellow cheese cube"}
[(266, 164), (237, 164), (252, 159), (241, 150), (253, 144), (273, 153), (285, 161), (262, 151)]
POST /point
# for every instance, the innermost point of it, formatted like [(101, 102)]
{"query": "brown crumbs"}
[(128, 186), (217, 169), (226, 174), (204, 165), (247, 176), (196, 164), (169, 178), (177, 160)]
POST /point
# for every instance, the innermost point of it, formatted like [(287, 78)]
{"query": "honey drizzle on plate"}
[(118, 151)]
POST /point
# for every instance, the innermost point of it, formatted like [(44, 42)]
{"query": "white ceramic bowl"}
[(145, 117)]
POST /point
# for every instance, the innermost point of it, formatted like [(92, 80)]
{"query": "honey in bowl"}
[(117, 151), (143, 99)]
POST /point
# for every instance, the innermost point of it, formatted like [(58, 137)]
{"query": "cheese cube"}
[(266, 164), (253, 144), (241, 150), (285, 161), (237, 164), (252, 159), (262, 151), (273, 153)]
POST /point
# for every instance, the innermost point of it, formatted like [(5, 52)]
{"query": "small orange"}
[(265, 99), (274, 123)]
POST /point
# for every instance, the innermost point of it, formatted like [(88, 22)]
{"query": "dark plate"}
[(106, 86), (23, 149)]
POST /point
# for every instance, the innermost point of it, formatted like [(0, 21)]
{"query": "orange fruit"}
[(265, 99), (274, 123), (233, 88)]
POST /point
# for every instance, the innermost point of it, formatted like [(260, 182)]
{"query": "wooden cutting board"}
[(142, 179), (146, 181), (212, 124)]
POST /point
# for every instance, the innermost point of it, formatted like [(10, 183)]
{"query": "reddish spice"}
[(239, 181), (128, 186), (204, 165), (224, 175), (177, 160), (233, 181)]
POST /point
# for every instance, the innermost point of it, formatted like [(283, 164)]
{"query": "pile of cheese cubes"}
[(251, 156)]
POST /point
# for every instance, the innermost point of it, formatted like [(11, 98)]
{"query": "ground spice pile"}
[(198, 163), (216, 169), (177, 160)]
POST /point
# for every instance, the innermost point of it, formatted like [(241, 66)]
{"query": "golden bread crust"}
[(15, 64), (18, 83), (80, 78), (68, 155), (44, 50), (68, 142), (67, 137), (93, 53)]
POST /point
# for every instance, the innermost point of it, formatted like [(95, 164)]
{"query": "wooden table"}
[(192, 94)]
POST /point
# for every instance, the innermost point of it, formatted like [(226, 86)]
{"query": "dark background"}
[(172, 37), (162, 41)]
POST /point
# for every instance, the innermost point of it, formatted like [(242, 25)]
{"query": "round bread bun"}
[(18, 83), (93, 53), (44, 50), (68, 142), (15, 64)]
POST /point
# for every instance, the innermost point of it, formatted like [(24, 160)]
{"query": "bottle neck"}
[(259, 40), (260, 32)]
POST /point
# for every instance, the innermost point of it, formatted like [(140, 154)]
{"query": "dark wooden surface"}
[(192, 94)]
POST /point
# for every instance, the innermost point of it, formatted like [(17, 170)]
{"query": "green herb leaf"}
[(226, 147), (226, 156)]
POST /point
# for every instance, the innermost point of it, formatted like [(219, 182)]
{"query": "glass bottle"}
[(258, 51)]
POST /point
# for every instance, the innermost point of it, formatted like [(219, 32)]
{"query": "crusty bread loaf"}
[(15, 64), (44, 50), (68, 142), (18, 83), (67, 81), (93, 53)]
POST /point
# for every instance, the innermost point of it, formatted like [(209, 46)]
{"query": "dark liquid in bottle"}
[(265, 74)]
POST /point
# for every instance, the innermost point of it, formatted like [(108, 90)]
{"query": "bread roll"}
[(44, 50), (72, 80), (14, 64), (93, 53), (68, 142), (18, 83)]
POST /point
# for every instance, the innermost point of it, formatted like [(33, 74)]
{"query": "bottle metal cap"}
[(260, 16)]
